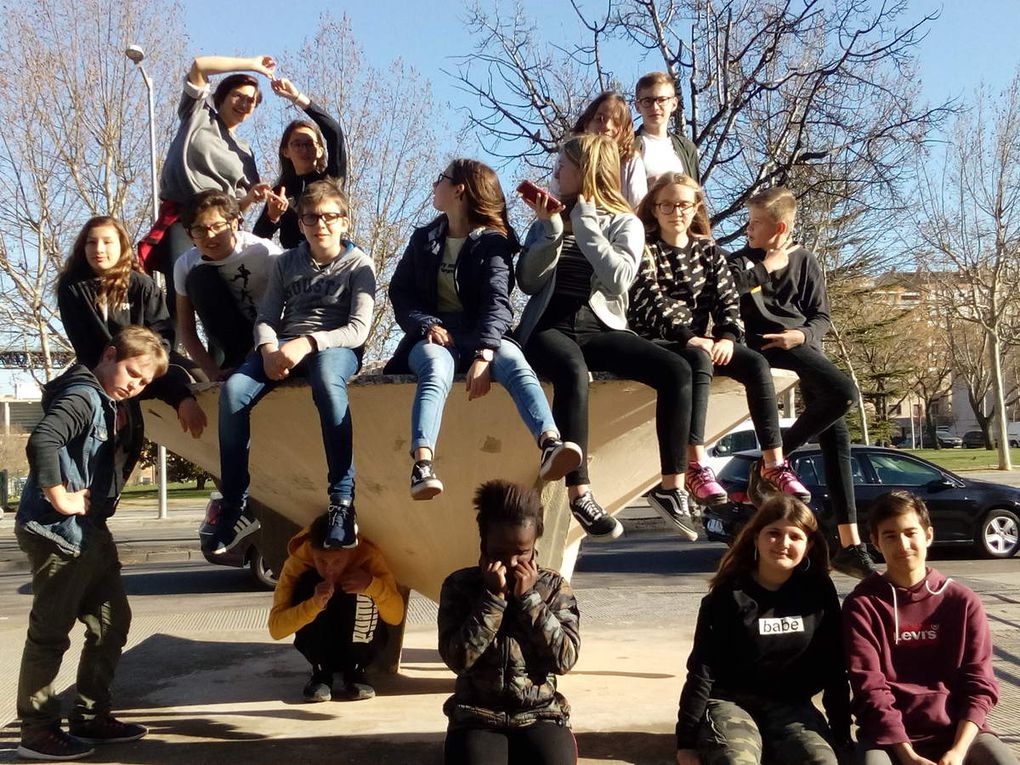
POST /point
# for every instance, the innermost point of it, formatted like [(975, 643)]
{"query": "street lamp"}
[(137, 56)]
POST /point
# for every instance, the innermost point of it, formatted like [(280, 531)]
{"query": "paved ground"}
[(202, 672)]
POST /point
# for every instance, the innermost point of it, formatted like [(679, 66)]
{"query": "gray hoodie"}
[(332, 303), (612, 244)]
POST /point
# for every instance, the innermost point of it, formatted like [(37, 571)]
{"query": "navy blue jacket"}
[(75, 444), (483, 279)]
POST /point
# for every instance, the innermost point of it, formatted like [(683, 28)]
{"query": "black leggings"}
[(748, 368), (565, 352), (544, 743), (828, 395)]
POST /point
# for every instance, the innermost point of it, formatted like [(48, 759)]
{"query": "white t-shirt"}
[(659, 157), (246, 269)]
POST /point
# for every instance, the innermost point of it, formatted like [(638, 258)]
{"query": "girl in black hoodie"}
[(767, 640)]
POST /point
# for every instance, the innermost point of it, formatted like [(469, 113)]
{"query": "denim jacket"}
[(87, 455)]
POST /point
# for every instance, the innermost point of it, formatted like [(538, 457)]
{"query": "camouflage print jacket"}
[(507, 653)]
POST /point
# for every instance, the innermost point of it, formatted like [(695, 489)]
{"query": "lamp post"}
[(137, 55)]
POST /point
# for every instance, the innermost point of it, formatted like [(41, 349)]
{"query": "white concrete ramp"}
[(483, 439)]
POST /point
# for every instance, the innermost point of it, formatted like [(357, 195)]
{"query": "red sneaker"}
[(785, 481), (702, 487)]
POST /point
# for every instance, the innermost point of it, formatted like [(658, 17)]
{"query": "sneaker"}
[(107, 729), (319, 687), (854, 560), (702, 487), (672, 505), (558, 459), (425, 484), (231, 528), (52, 744), (356, 686), (593, 519), (775, 480), (343, 526)]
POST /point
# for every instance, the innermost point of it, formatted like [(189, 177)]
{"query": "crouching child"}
[(331, 600), (79, 455)]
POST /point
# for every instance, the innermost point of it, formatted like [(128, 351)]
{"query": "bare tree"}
[(968, 223), (767, 91), (75, 144)]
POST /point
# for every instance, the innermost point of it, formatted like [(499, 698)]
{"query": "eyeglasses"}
[(667, 208), (302, 145), (312, 219), (648, 101), (243, 98), (199, 231), (440, 179)]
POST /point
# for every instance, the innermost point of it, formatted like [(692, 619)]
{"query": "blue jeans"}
[(434, 366), (327, 371)]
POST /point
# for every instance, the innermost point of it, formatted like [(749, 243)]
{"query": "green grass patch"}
[(173, 491), (965, 459)]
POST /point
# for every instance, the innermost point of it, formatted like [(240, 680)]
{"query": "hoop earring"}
[(756, 552), (806, 564)]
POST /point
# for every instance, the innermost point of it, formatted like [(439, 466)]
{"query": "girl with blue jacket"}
[(450, 294)]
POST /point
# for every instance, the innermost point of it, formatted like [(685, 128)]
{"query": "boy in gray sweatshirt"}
[(313, 321)]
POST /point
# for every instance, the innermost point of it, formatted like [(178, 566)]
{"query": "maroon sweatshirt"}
[(920, 659)]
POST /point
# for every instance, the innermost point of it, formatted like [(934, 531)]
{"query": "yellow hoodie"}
[(286, 617)]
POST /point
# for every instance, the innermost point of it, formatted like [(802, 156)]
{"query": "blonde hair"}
[(652, 79), (134, 341), (700, 225), (778, 203), (598, 161)]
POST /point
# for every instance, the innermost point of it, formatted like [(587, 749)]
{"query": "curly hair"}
[(113, 283), (500, 501)]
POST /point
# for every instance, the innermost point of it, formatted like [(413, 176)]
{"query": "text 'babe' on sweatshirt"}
[(782, 645), (332, 303), (920, 659)]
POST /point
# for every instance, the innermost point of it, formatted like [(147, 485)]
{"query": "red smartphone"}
[(530, 192)]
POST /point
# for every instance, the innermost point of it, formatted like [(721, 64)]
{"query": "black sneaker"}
[(854, 560), (558, 459), (343, 526), (232, 527), (319, 687), (107, 729), (52, 744), (593, 519), (356, 686), (672, 505), (425, 484)]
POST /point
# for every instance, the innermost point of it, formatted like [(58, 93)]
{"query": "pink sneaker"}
[(784, 480), (702, 487)]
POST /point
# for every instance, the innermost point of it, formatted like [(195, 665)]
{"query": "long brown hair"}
[(113, 283), (483, 196), (598, 160), (740, 559), (624, 138), (700, 225)]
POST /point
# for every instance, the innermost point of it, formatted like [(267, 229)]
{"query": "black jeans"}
[(828, 395), (747, 367), (568, 345), (230, 331), (544, 743), (345, 636)]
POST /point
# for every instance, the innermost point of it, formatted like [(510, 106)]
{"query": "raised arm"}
[(615, 260), (204, 66), (551, 625), (468, 623), (332, 133)]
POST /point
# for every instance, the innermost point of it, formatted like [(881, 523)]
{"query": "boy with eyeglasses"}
[(661, 150), (313, 321), (221, 279)]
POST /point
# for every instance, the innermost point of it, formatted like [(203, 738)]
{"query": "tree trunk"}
[(929, 426), (1000, 401)]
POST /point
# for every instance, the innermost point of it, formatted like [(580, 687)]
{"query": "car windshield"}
[(895, 470)]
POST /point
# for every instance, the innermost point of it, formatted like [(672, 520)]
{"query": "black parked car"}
[(963, 511), (973, 439)]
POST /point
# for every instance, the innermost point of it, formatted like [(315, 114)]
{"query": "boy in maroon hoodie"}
[(919, 653)]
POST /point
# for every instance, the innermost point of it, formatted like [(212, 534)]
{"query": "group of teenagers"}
[(623, 277)]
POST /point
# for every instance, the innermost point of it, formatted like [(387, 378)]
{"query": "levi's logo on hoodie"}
[(919, 634)]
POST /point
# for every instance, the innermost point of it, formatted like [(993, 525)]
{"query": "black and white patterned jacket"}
[(676, 293)]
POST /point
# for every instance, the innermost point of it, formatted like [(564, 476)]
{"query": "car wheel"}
[(261, 572), (1013, 444), (999, 534)]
